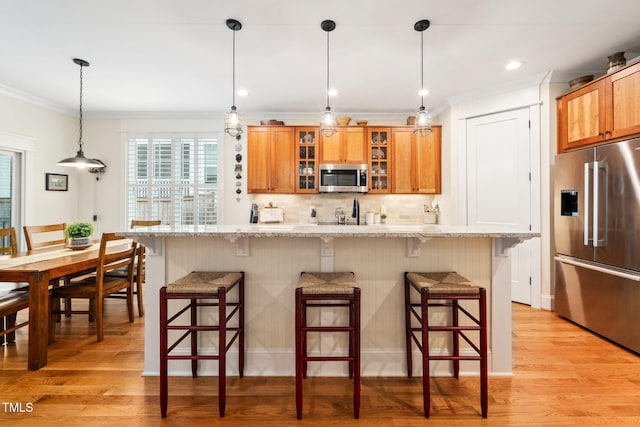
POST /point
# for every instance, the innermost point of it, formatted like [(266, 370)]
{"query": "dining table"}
[(39, 268)]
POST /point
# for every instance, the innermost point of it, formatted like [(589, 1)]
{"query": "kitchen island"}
[(272, 257)]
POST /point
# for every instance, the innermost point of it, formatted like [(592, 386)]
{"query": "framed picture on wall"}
[(56, 182)]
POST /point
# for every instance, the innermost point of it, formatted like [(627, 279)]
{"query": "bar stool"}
[(445, 289), (328, 290), (195, 286)]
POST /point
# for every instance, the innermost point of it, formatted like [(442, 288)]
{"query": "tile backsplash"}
[(401, 208)]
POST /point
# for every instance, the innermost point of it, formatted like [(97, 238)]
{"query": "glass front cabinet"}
[(379, 140), (307, 142)]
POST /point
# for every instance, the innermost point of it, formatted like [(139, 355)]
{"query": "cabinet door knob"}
[(607, 132)]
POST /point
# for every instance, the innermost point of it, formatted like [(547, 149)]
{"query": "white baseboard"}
[(546, 302)]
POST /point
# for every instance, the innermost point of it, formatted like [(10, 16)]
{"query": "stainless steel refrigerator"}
[(597, 240)]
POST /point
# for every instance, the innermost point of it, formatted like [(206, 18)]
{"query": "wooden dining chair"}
[(14, 296), (12, 302), (96, 288), (50, 235), (8, 241), (139, 267), (44, 236), (9, 246)]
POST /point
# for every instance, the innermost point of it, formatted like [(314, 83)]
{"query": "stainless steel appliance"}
[(343, 178), (597, 239)]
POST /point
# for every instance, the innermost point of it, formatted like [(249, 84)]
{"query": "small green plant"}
[(383, 216), (79, 229)]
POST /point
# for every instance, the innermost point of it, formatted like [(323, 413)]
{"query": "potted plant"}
[(383, 218), (79, 232)]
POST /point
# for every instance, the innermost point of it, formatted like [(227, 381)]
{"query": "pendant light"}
[(80, 161), (328, 123), (232, 121), (422, 126)]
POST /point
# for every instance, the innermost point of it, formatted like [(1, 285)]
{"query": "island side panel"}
[(272, 271)]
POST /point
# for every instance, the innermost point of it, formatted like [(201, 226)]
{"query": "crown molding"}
[(34, 100)]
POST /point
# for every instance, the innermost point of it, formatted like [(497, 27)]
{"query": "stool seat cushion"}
[(443, 283), (198, 282), (328, 283)]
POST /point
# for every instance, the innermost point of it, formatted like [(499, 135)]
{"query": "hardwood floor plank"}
[(563, 376)]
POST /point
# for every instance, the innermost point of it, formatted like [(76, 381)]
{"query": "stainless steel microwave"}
[(343, 178)]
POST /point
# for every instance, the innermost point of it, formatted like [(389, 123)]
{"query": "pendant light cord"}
[(80, 141), (422, 69), (233, 85), (327, 68)]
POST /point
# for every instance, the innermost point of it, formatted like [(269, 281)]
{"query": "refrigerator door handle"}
[(587, 166), (596, 170), (596, 190), (589, 266)]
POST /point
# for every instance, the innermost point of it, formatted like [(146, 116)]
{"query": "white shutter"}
[(173, 179)]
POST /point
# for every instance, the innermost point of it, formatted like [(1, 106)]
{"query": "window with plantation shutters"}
[(174, 179)]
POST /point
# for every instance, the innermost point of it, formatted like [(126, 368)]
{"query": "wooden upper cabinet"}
[(624, 119), (582, 117), (345, 146), (270, 159), (606, 109), (415, 161)]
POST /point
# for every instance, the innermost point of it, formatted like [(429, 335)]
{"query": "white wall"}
[(55, 136)]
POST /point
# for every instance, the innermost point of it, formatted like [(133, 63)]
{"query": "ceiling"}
[(174, 56)]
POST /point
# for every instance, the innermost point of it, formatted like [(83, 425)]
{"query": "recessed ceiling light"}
[(242, 92), (513, 65), (332, 92), (423, 92)]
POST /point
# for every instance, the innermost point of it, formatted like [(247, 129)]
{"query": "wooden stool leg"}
[(426, 391), (407, 321), (352, 337), (241, 326), (299, 324), (304, 337), (194, 337), (356, 356), (222, 349), (484, 392), (163, 352), (456, 338)]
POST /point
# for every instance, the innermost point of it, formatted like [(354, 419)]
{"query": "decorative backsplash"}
[(400, 209)]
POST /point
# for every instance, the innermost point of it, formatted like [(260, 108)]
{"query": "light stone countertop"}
[(336, 231)]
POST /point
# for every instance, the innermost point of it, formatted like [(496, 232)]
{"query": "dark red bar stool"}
[(445, 289), (194, 287), (328, 290)]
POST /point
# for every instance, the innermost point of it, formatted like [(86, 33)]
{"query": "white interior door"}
[(499, 184)]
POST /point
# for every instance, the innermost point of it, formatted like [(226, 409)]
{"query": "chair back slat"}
[(47, 232), (144, 223)]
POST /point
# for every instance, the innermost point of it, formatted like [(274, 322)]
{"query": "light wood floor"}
[(563, 376)]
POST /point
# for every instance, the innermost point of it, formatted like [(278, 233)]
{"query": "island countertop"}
[(312, 230)]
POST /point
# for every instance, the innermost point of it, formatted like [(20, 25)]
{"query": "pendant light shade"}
[(422, 126), (232, 121), (79, 160), (328, 123)]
